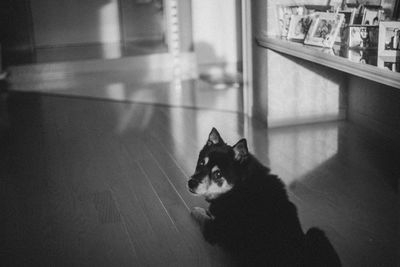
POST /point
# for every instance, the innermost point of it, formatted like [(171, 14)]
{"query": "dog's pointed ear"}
[(214, 138), (241, 151)]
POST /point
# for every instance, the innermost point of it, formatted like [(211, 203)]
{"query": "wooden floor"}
[(91, 182)]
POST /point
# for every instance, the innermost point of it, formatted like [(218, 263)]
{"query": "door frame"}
[(247, 57)]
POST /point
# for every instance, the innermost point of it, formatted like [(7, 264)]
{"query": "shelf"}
[(326, 57)]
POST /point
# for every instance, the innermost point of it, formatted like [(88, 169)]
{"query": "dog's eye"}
[(217, 175)]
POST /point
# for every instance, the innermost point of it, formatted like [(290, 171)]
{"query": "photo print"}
[(389, 39), (371, 16), (324, 29), (349, 16), (299, 26), (284, 15), (392, 66), (392, 37), (363, 36)]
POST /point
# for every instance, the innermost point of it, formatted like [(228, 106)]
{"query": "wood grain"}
[(82, 185)]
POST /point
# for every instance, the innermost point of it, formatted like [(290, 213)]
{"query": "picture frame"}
[(389, 63), (362, 56), (284, 14), (371, 16), (364, 2), (324, 29), (311, 9), (390, 10), (363, 36), (349, 17), (396, 11), (389, 39), (299, 25), (393, 66), (357, 3)]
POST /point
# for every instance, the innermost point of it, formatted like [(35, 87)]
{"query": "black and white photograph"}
[(299, 25), (392, 38), (371, 16), (349, 18), (390, 10), (389, 63), (392, 66), (361, 36), (362, 56), (324, 29), (199, 133), (284, 14), (364, 2), (389, 36)]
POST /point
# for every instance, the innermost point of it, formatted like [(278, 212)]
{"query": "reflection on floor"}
[(103, 183), (188, 93), (141, 79)]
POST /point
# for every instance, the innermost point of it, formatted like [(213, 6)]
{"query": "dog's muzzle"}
[(192, 184)]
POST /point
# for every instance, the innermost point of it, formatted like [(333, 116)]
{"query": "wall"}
[(215, 33), (72, 22), (185, 25), (64, 22), (288, 90), (375, 106), (16, 32), (142, 21)]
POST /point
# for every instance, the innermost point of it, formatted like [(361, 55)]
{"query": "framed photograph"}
[(393, 66), (371, 16), (362, 56), (284, 14), (390, 9), (324, 29), (356, 3), (349, 16), (396, 11), (351, 3), (299, 25), (311, 9), (389, 39), (389, 63), (363, 36)]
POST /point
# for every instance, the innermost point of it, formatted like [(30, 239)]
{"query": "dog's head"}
[(217, 167)]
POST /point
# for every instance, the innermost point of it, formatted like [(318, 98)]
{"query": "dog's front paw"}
[(200, 215)]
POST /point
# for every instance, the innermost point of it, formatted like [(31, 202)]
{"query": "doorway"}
[(102, 29)]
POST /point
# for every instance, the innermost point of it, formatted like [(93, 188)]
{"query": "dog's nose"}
[(193, 184)]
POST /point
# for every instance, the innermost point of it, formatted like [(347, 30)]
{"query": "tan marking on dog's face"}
[(214, 186), (204, 161), (201, 189)]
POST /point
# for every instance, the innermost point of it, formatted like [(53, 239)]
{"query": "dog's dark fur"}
[(250, 214)]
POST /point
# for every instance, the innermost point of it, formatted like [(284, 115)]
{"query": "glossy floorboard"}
[(142, 79), (103, 183)]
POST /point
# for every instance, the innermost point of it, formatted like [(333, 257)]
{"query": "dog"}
[(250, 214)]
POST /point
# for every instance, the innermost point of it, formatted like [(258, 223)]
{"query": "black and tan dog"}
[(250, 214)]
